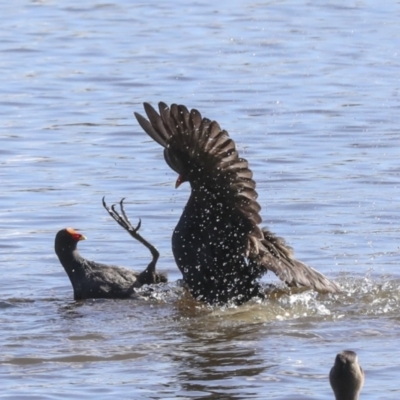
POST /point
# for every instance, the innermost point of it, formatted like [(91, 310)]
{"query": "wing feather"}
[(204, 154)]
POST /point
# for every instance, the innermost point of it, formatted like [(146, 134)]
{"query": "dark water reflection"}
[(209, 365)]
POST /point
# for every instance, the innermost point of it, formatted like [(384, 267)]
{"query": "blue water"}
[(311, 95)]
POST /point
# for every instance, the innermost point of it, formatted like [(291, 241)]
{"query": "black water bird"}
[(92, 280), (346, 376), (218, 244)]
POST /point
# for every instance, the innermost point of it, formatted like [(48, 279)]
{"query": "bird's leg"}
[(148, 276)]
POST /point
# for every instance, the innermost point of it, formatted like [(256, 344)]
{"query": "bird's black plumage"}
[(91, 280), (218, 244)]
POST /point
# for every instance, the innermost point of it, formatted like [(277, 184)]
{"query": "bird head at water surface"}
[(346, 376)]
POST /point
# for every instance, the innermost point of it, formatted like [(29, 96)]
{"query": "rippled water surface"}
[(310, 93)]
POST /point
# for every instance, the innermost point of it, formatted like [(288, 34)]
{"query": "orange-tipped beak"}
[(76, 235), (179, 181)]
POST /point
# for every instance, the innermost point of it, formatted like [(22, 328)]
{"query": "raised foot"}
[(149, 275), (123, 219)]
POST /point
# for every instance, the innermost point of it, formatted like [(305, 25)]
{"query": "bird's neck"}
[(199, 193), (71, 261)]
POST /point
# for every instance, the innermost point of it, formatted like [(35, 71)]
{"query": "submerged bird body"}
[(346, 376), (217, 244), (92, 280), (89, 279)]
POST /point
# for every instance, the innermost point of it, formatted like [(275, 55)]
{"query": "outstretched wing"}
[(275, 255), (204, 154)]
